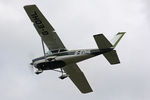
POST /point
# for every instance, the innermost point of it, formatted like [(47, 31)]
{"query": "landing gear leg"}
[(62, 71), (63, 76)]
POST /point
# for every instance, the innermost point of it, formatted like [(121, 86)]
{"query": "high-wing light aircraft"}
[(59, 57)]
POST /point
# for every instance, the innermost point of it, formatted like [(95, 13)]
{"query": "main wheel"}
[(63, 76)]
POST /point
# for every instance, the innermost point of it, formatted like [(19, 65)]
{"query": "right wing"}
[(45, 30), (78, 78)]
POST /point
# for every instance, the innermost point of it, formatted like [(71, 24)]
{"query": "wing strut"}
[(43, 49)]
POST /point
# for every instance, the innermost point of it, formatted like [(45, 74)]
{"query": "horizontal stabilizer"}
[(102, 41), (112, 57)]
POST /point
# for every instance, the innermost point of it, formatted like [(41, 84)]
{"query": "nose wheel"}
[(39, 71)]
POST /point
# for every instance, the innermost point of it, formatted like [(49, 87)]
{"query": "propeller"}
[(31, 55), (31, 68)]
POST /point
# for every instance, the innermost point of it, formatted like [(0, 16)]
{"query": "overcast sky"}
[(76, 21)]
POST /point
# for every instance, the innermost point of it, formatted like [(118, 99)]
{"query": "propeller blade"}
[(31, 68)]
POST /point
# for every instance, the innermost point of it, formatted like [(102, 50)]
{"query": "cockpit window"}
[(49, 53)]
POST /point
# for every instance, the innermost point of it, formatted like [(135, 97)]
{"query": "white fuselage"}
[(61, 59)]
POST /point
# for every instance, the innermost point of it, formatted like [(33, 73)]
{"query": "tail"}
[(103, 43)]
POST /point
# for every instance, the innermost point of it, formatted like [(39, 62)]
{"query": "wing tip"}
[(26, 6), (86, 92)]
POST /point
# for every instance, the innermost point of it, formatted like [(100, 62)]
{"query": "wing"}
[(78, 78), (45, 30)]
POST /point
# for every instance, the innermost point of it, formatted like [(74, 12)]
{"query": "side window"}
[(77, 53), (82, 52), (49, 52)]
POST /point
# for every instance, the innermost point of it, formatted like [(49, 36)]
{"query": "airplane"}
[(60, 59)]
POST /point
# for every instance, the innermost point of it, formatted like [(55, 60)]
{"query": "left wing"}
[(78, 78), (45, 30)]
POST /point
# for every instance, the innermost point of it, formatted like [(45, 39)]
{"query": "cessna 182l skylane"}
[(60, 57)]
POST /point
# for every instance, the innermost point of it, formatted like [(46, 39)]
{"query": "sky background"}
[(76, 21)]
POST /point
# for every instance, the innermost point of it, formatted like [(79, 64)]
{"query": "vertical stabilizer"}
[(117, 38)]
